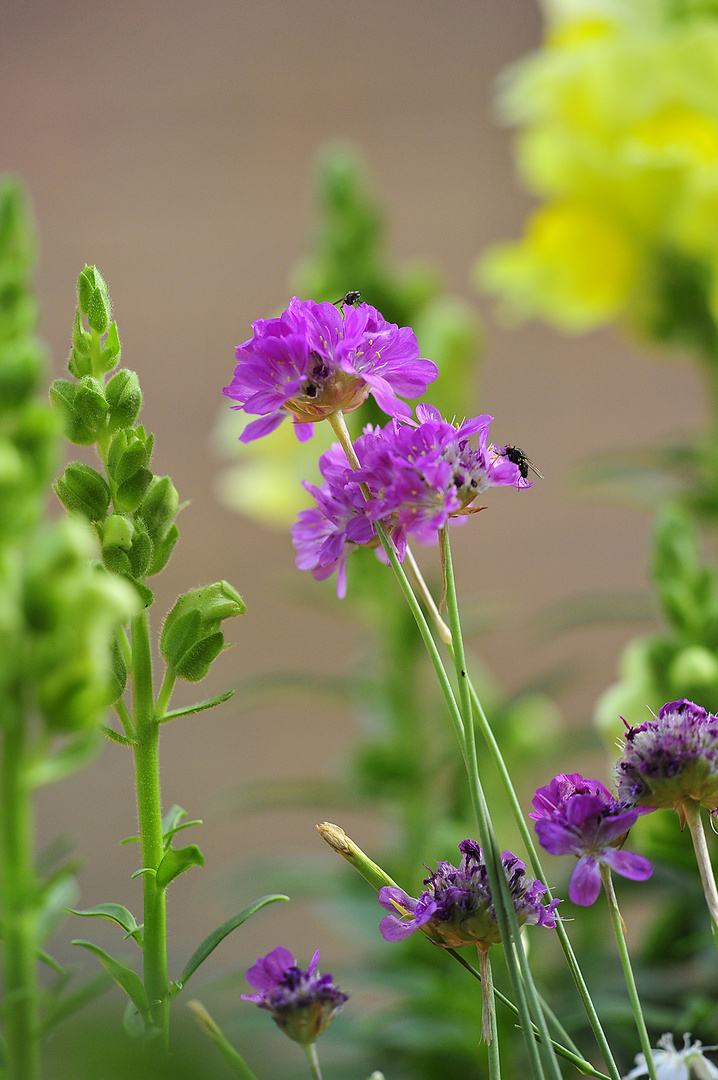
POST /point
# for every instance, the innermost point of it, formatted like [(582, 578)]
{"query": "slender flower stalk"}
[(149, 806), (692, 814), (313, 1060), (234, 1060), (619, 931)]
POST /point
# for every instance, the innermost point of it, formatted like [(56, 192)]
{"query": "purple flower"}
[(302, 1003), (419, 475), (313, 361), (324, 535), (424, 473), (672, 758), (457, 909), (576, 816)]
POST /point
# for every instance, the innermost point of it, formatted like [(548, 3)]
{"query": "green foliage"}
[(191, 637)]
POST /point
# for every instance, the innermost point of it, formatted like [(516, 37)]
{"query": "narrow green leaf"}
[(125, 977), (211, 942), (130, 840), (175, 861), (76, 1001), (201, 706), (114, 736), (45, 958), (73, 755), (143, 870), (116, 913), (172, 818)]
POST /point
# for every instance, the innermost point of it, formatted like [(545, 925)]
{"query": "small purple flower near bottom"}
[(576, 816), (302, 1003), (457, 908)]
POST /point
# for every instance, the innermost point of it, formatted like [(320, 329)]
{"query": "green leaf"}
[(201, 706), (142, 870), (211, 942), (73, 755), (172, 823), (116, 913), (175, 861), (114, 736), (76, 1001), (45, 958), (125, 977)]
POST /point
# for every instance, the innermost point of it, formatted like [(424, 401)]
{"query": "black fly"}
[(350, 298), (517, 457)]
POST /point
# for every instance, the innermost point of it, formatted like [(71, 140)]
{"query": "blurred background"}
[(175, 146)]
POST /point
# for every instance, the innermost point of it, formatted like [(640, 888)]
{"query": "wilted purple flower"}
[(457, 908), (671, 758), (672, 1064), (302, 1003), (576, 816), (313, 361)]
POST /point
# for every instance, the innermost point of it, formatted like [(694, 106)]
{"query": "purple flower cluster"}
[(314, 360), (671, 758), (302, 1003), (576, 816), (457, 908), (418, 475)]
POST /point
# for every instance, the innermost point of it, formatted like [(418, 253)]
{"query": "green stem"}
[(236, 1063), (529, 845), (149, 806), (310, 1050), (620, 934), (488, 1014), (18, 893), (103, 437), (691, 811), (163, 698), (523, 984)]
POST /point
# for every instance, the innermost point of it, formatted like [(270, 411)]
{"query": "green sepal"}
[(191, 638), (140, 554), (118, 673), (80, 408), (124, 399), (159, 507), (128, 466), (126, 548), (82, 490), (176, 861), (212, 940), (162, 551), (111, 350), (93, 299), (115, 913), (125, 977), (147, 597), (201, 706), (80, 361), (72, 756), (115, 737)]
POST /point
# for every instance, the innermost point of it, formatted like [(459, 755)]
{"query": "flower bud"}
[(191, 637), (80, 361), (128, 466), (301, 1003), (124, 398), (82, 408), (93, 299), (22, 363), (159, 507), (82, 490), (111, 350)]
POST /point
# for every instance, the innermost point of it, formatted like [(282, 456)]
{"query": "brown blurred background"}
[(172, 144)]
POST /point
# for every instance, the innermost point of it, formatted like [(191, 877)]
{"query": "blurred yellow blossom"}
[(619, 133)]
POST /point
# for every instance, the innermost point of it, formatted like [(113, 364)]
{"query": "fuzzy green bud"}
[(191, 637), (128, 466), (694, 668), (93, 299), (82, 490), (110, 352), (22, 364), (82, 408), (159, 507), (80, 362), (124, 398)]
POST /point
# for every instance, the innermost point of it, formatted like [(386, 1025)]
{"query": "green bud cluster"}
[(191, 637), (681, 661), (131, 509), (57, 610)]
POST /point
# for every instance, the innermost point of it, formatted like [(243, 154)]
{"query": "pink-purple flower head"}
[(576, 816), (418, 477), (302, 1003), (672, 758), (313, 361), (457, 908)]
